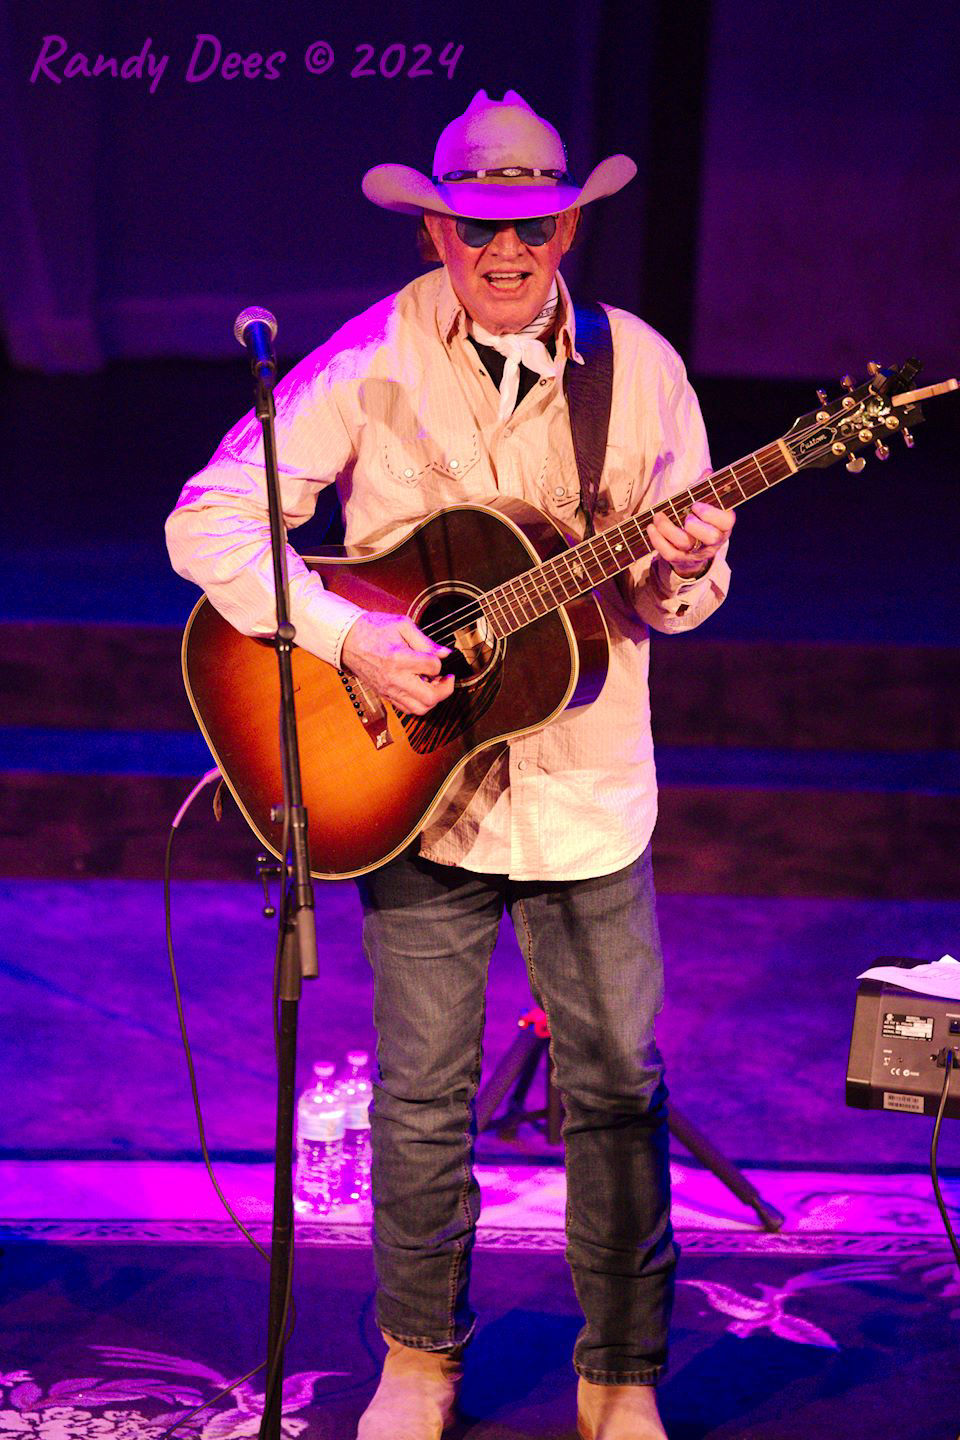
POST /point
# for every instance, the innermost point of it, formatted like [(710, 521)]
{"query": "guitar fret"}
[(590, 556), (510, 609), (605, 537), (558, 582), (570, 577), (713, 491), (541, 598), (534, 593), (727, 486), (522, 598), (776, 463), (531, 591), (759, 469), (492, 611), (639, 540)]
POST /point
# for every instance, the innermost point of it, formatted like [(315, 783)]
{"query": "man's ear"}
[(434, 225), (570, 223)]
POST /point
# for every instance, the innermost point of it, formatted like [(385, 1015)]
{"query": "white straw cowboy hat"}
[(497, 161)]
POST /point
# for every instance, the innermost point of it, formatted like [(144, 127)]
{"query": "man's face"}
[(505, 283)]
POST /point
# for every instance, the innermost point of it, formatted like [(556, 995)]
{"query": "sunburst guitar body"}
[(372, 776)]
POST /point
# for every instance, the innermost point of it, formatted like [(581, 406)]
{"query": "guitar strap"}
[(589, 391)]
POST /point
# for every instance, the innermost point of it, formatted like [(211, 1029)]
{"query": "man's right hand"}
[(393, 657)]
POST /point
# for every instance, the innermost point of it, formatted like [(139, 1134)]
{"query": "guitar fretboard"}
[(535, 592)]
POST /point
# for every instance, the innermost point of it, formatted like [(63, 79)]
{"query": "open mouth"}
[(506, 281)]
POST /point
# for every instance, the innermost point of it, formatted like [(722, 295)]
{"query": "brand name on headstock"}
[(806, 444)]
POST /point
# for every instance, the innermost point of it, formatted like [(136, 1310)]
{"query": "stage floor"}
[(128, 1299), (825, 1212)]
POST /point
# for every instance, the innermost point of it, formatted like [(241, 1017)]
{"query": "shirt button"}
[(559, 490), (521, 764), (454, 464), (544, 382), (408, 473)]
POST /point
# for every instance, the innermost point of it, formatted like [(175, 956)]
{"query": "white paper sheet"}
[(941, 978)]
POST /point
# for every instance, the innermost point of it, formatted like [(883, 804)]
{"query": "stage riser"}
[(744, 693), (740, 814), (861, 844)]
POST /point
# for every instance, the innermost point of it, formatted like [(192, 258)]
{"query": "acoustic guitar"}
[(500, 585)]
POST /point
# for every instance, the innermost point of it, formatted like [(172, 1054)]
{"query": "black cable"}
[(289, 1309), (189, 1057), (949, 1064)]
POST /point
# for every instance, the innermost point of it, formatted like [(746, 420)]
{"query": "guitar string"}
[(446, 627), (520, 583), (581, 556)]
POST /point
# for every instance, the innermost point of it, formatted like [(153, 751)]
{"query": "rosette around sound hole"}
[(453, 616)]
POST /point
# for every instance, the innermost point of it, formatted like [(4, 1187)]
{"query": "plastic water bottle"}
[(356, 1092), (320, 1128)]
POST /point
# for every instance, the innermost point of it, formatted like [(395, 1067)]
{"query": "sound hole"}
[(454, 618)]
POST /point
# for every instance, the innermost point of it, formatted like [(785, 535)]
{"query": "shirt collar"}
[(451, 317)]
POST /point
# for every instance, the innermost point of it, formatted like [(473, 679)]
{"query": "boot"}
[(618, 1412), (415, 1397)]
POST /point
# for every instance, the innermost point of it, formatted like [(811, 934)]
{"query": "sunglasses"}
[(477, 233)]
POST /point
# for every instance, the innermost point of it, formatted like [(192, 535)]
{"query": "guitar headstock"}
[(869, 414)]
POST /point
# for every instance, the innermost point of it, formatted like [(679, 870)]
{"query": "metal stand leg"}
[(736, 1182), (513, 1076)]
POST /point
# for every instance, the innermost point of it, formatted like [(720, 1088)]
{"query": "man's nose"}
[(506, 242)]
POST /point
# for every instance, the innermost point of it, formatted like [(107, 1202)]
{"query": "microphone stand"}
[(297, 940)]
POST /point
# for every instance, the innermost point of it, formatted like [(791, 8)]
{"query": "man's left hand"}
[(690, 550)]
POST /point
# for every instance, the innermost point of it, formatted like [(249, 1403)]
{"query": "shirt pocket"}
[(424, 461), (558, 491), (619, 483)]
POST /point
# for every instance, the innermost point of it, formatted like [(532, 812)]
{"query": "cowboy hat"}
[(499, 160)]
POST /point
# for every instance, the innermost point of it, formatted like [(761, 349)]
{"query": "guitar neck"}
[(535, 592)]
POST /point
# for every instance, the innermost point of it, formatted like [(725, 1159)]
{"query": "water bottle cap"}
[(358, 1057), (324, 1069)]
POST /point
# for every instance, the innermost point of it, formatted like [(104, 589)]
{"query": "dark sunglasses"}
[(477, 233)]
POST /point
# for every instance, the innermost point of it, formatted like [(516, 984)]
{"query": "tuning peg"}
[(847, 382), (822, 396), (882, 451), (855, 464), (908, 439), (873, 368)]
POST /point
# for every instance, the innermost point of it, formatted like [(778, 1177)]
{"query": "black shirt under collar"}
[(494, 362)]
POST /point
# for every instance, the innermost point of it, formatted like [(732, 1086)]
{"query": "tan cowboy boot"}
[(618, 1412), (415, 1397)]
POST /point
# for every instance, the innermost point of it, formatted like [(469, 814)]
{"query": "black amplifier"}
[(898, 1048)]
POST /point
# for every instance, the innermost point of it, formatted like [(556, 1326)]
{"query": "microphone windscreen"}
[(246, 317)]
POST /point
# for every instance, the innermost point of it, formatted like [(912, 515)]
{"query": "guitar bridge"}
[(370, 708)]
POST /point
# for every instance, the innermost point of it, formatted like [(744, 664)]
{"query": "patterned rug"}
[(773, 1339)]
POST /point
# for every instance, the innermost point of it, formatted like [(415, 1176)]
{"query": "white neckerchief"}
[(522, 347)]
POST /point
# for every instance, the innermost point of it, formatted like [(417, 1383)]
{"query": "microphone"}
[(255, 330)]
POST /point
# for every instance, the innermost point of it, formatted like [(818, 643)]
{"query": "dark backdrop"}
[(796, 209)]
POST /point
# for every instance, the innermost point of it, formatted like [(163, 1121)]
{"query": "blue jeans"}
[(593, 956)]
